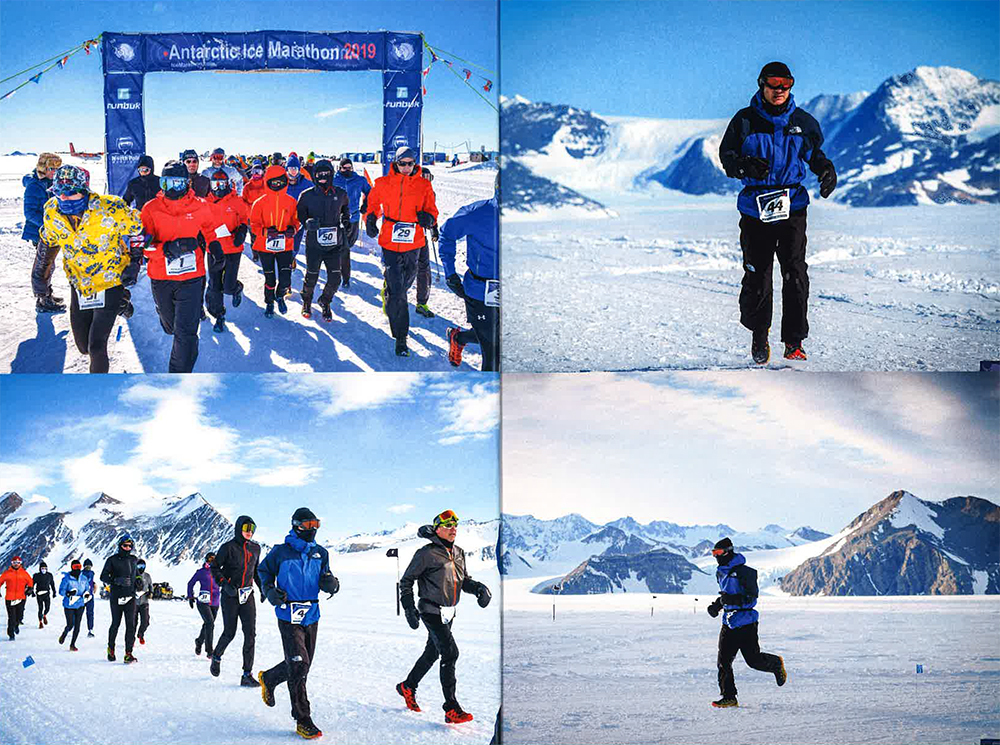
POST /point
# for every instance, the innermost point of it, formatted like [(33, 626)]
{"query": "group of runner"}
[(187, 227)]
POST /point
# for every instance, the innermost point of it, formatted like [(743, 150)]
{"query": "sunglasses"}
[(144, 169), (16, 562), (406, 163), (779, 84), (126, 546), (191, 160), (248, 528), (347, 168), (307, 524)]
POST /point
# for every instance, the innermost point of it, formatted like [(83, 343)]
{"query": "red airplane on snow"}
[(84, 156)]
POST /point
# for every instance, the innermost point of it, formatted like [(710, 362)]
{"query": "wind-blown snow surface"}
[(358, 339), (606, 671), (894, 288), (363, 650)]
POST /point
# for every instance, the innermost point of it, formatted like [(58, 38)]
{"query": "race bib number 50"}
[(326, 236), (404, 232)]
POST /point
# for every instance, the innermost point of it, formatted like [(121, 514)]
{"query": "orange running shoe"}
[(409, 696)]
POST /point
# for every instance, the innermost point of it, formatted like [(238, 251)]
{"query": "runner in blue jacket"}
[(356, 187), (292, 576), (768, 146), (737, 601), (479, 224), (75, 589)]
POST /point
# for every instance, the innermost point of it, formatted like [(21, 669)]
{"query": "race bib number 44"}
[(92, 302), (298, 612), (182, 265), (404, 232), (774, 205)]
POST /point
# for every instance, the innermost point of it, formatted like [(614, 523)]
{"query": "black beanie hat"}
[(174, 169), (146, 160), (303, 513), (725, 543), (773, 70)]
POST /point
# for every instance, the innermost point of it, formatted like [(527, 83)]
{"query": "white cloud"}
[(433, 489), (91, 473), (335, 394), (280, 463), (399, 509), (22, 478), (471, 412), (342, 110)]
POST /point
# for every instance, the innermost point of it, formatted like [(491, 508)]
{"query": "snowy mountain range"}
[(478, 539), (931, 135), (901, 546)]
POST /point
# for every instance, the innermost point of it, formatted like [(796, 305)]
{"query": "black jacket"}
[(331, 209), (200, 185), (44, 584), (119, 572), (236, 561), (141, 189), (439, 572)]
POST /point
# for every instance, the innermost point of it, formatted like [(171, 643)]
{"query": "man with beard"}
[(235, 569)]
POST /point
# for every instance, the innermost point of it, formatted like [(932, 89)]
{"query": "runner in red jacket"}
[(224, 251), (273, 219), (18, 587)]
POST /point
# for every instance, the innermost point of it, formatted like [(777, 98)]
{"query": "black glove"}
[(425, 219), (70, 593), (753, 167), (201, 241), (329, 583), (126, 309), (371, 226), (289, 232), (827, 179), (272, 233), (130, 275), (454, 283), (191, 603), (312, 224), (180, 246), (715, 608), (138, 584), (215, 248), (277, 596), (240, 235), (412, 618), (29, 591), (731, 599), (483, 596), (364, 205)]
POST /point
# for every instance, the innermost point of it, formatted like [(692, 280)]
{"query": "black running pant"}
[(142, 609), (223, 278), (73, 618), (345, 257), (179, 306), (331, 260), (15, 614), (743, 640), (44, 604), (118, 610), (277, 273), (761, 242), (400, 271), (92, 328), (208, 614), (299, 645), (247, 615), (90, 615), (440, 643), (485, 320), (423, 274)]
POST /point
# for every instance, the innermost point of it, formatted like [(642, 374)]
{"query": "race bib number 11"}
[(275, 244)]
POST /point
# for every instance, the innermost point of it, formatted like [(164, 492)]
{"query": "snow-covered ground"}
[(909, 288), (607, 670), (358, 339), (363, 650)]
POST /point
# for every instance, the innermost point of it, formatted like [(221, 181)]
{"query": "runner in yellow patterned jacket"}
[(100, 238)]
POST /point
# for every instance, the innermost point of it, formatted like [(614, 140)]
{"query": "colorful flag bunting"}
[(488, 86)]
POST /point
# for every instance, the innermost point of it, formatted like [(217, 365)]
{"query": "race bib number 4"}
[(205, 597), (245, 594), (182, 265), (326, 236), (492, 295), (774, 205), (298, 612), (275, 244), (404, 232), (92, 302)]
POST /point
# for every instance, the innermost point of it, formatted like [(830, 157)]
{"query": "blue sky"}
[(745, 449), (250, 112), (366, 452), (690, 59)]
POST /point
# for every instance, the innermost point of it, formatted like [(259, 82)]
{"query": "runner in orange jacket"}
[(18, 587), (274, 220)]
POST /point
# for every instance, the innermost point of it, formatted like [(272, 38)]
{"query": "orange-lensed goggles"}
[(447, 519), (719, 551), (307, 524), (779, 84)]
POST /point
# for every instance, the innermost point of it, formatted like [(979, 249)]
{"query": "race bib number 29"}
[(404, 232)]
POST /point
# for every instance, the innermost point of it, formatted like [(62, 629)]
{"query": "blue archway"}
[(128, 57)]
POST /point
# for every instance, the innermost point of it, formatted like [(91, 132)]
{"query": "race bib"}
[(298, 611), (275, 244), (245, 594), (774, 205), (182, 265), (43, 592), (222, 232), (124, 600), (87, 597), (326, 236), (205, 597), (492, 295), (404, 232), (76, 599), (448, 614), (92, 302), (17, 602)]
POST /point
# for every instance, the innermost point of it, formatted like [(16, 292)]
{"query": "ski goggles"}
[(277, 184), (246, 528), (447, 519), (173, 183), (15, 563), (144, 170), (140, 567), (312, 524), (76, 565), (221, 184), (720, 551), (779, 84)]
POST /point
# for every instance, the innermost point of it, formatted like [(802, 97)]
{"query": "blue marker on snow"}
[(920, 668), (119, 337), (28, 661)]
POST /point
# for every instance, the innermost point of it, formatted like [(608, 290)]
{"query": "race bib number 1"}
[(404, 232), (326, 236), (92, 302), (275, 244), (492, 295), (298, 612), (774, 205), (182, 265), (245, 594)]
